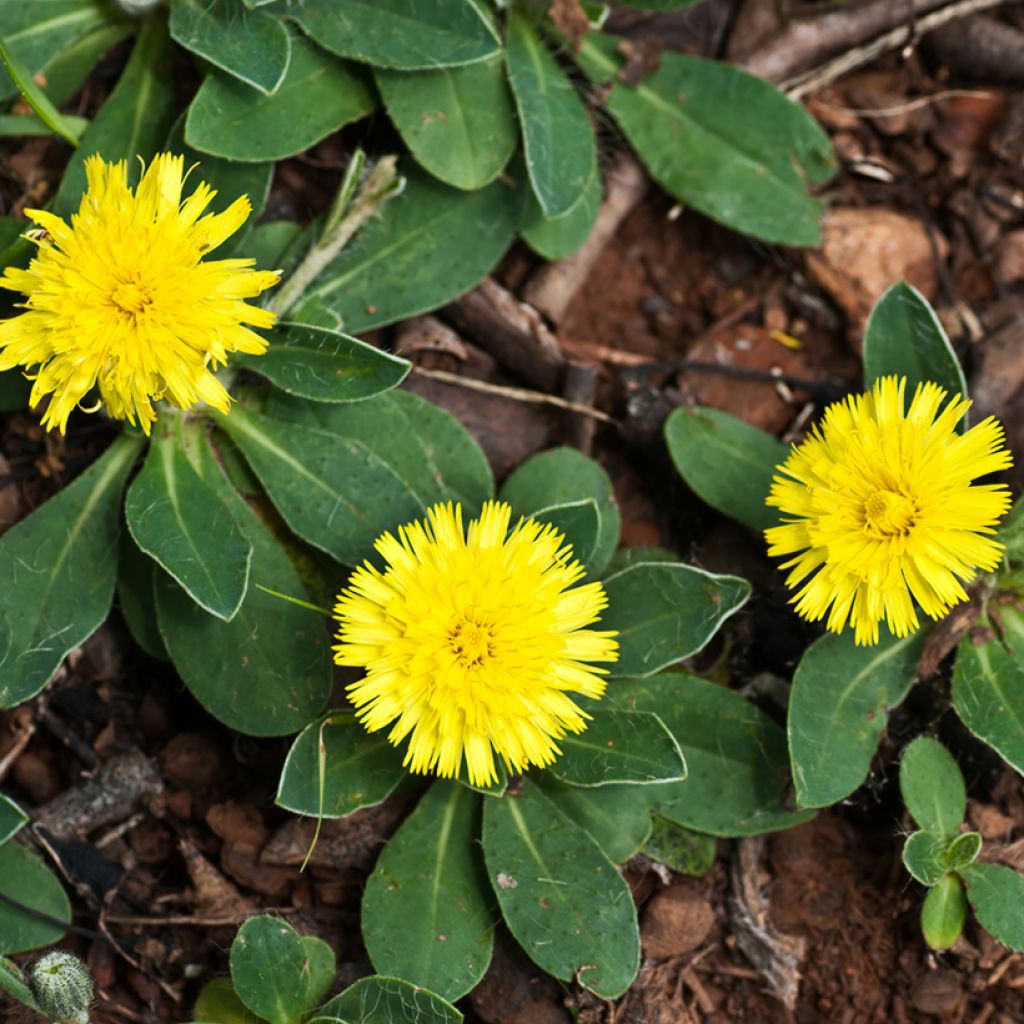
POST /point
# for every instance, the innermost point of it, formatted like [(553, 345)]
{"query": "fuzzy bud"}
[(62, 987), (137, 8)]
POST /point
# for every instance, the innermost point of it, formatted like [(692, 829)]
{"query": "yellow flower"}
[(472, 642), (120, 300), (880, 507)]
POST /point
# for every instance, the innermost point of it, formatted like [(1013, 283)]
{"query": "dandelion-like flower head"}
[(880, 509), (473, 641), (122, 301)]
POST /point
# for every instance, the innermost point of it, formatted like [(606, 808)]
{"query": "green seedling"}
[(281, 977), (944, 858)]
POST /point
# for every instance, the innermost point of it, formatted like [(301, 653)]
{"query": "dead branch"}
[(552, 287), (511, 331), (857, 56)]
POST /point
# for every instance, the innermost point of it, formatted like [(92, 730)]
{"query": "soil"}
[(930, 190)]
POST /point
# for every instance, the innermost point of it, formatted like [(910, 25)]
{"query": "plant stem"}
[(383, 184)]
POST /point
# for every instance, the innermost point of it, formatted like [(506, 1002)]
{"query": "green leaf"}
[(253, 46), (33, 94), (839, 707), (318, 94), (425, 248), (749, 168), (278, 974), (132, 123), (626, 558), (562, 476), (426, 907), (681, 849), (57, 570), (988, 693), (627, 747), (996, 893), (459, 123), (579, 522), (136, 580), (335, 767), (924, 856), (933, 787), (617, 818), (12, 982), (267, 242), (36, 32), (426, 446), (67, 70), (560, 895), (665, 612), (25, 878), (735, 755), (963, 851), (558, 138), (904, 337), (12, 817), (28, 125), (380, 1000), (180, 523), (332, 491), (555, 238), (325, 365), (726, 462), (267, 672), (944, 912), (218, 1003), (405, 34)]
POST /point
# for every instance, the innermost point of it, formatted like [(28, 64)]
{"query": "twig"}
[(776, 955), (817, 78), (190, 920), (69, 738), (515, 394), (56, 922), (829, 388), (580, 388), (22, 740), (910, 105), (804, 42)]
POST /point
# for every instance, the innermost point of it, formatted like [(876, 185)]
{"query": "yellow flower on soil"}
[(880, 509), (473, 641), (121, 301)]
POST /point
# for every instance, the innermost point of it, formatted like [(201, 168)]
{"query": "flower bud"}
[(62, 987)]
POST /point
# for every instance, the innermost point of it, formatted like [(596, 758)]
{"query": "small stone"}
[(191, 761), (864, 250), (937, 993), (239, 825), (676, 921)]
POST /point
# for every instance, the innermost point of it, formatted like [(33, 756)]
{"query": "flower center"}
[(131, 297), (888, 513), (470, 642)]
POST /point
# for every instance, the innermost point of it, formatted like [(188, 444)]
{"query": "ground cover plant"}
[(444, 645)]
